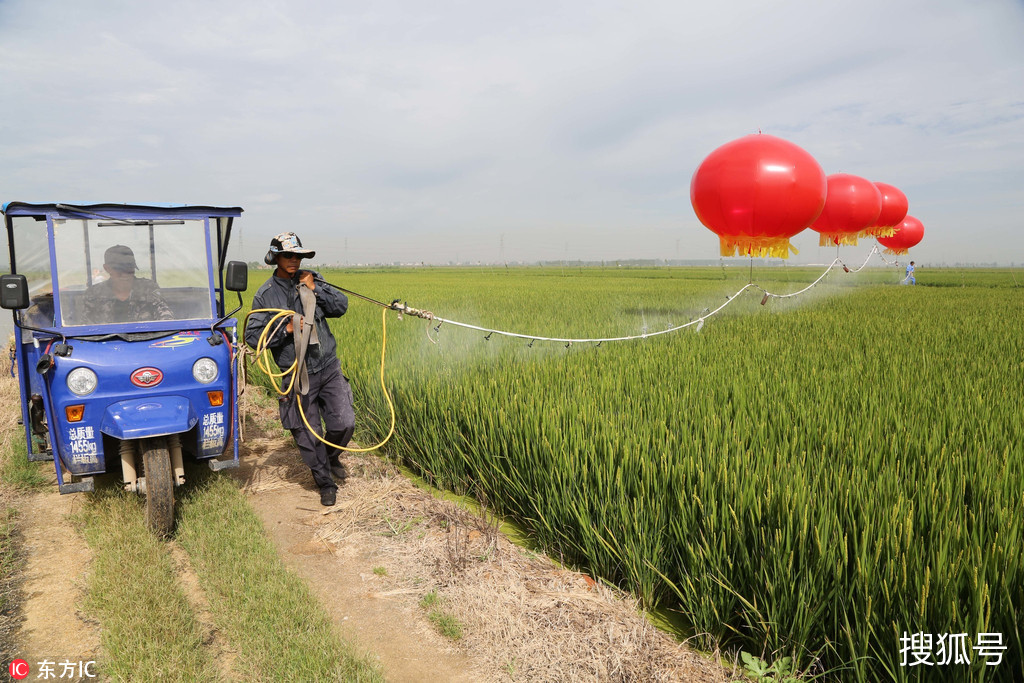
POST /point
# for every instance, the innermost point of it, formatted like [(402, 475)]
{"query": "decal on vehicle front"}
[(180, 339)]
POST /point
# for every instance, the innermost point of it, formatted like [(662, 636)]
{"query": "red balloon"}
[(756, 192), (852, 204), (894, 210), (908, 234)]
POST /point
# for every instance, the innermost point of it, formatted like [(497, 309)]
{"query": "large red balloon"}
[(894, 210), (908, 234), (756, 192), (851, 205)]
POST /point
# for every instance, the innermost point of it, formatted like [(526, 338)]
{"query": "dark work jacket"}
[(278, 292)]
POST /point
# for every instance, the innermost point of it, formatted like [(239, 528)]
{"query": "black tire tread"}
[(156, 463)]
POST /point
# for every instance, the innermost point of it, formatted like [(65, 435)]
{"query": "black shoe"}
[(328, 497), (339, 472)]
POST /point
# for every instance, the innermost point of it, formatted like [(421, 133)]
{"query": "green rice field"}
[(819, 477)]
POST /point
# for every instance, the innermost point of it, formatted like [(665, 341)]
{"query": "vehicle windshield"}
[(113, 271)]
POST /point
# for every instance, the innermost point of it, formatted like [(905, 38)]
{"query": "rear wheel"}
[(156, 462)]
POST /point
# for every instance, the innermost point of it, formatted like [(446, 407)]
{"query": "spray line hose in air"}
[(280, 317), (263, 361), (697, 323)]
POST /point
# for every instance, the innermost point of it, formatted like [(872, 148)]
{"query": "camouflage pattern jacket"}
[(145, 303)]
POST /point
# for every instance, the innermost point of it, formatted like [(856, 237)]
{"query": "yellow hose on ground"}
[(263, 360)]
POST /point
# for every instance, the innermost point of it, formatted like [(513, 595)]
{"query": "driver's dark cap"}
[(120, 257), (289, 243)]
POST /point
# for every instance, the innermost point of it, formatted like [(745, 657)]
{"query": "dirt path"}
[(388, 629), (57, 559), (282, 492), (56, 562)]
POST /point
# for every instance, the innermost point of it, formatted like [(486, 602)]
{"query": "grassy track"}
[(148, 629), (813, 478), (268, 614), (275, 627)]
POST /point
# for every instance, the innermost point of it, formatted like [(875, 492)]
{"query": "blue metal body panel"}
[(139, 418)]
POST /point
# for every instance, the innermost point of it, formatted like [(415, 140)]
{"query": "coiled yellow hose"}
[(264, 360)]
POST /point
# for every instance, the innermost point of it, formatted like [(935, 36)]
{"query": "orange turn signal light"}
[(74, 413), (216, 397)]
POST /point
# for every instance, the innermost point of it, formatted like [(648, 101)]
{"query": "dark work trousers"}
[(329, 400)]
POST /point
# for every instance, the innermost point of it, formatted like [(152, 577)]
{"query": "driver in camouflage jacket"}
[(123, 297)]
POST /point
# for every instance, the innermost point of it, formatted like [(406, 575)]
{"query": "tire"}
[(156, 464)]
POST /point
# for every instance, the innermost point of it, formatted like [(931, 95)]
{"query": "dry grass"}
[(11, 552), (525, 616), (10, 412)]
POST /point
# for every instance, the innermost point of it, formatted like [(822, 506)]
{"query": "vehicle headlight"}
[(204, 370), (81, 381)]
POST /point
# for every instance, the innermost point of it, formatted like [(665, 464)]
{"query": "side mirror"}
[(14, 291), (236, 278)]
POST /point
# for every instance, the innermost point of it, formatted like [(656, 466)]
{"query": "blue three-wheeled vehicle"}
[(125, 355)]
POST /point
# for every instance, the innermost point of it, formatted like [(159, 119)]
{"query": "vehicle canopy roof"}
[(120, 210)]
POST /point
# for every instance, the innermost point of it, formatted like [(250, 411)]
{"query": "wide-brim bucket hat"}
[(289, 243)]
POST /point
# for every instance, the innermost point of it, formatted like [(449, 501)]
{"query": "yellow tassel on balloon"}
[(743, 245), (837, 238), (878, 231), (895, 251)]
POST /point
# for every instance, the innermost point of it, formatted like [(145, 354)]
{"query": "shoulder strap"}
[(304, 335)]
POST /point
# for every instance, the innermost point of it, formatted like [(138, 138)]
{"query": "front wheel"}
[(156, 463)]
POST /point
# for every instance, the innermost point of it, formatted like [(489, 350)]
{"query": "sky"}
[(489, 131)]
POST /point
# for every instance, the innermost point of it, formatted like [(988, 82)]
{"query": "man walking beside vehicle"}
[(328, 396)]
